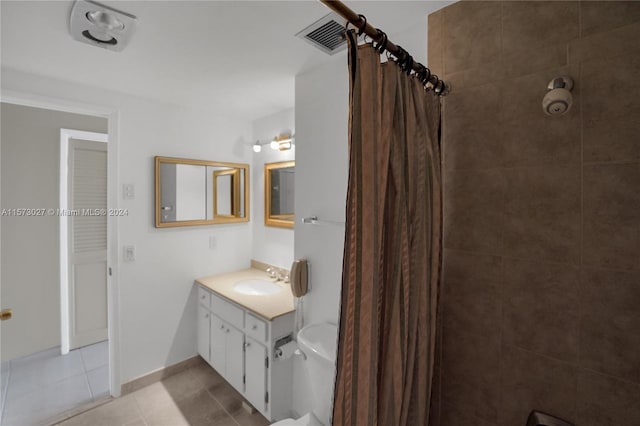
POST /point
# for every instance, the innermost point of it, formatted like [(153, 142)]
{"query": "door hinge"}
[(110, 272), (6, 314), (266, 397), (244, 379), (266, 362)]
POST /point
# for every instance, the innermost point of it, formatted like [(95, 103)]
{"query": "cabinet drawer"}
[(204, 297), (256, 328), (230, 313)]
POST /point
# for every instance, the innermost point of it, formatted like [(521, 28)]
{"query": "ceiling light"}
[(257, 147)]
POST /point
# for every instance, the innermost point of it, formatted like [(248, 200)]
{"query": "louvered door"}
[(87, 242)]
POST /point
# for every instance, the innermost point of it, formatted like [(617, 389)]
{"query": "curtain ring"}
[(404, 60), (437, 88), (346, 26), (400, 56), (408, 64), (382, 45), (426, 75), (421, 74), (363, 26)]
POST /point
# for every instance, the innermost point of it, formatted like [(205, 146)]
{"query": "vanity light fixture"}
[(284, 145), (283, 142)]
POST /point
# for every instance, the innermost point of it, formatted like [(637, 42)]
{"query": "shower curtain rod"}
[(360, 22)]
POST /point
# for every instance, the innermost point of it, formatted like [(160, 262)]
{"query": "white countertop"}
[(267, 306)]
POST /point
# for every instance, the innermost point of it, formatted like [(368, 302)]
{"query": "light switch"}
[(129, 253), (128, 191)]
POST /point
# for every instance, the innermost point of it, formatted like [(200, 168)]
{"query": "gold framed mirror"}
[(279, 181), (199, 192), (226, 193)]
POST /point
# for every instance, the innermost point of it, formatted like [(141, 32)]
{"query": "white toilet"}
[(318, 344)]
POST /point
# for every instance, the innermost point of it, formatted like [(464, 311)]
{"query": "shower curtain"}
[(391, 266)]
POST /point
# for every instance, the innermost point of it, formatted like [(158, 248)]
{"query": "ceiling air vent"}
[(100, 25), (326, 34)]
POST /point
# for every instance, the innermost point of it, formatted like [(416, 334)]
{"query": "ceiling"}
[(237, 56)]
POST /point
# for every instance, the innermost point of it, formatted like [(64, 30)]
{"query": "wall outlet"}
[(129, 253), (128, 191)]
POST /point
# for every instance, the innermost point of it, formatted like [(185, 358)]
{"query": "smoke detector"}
[(326, 34), (99, 25)]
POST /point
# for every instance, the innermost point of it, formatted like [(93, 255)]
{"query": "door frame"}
[(65, 313), (112, 114)]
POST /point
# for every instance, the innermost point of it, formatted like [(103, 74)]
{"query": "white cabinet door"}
[(218, 344), (235, 362), (256, 373), (203, 333)]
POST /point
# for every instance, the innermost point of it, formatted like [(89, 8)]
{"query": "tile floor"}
[(196, 396), (41, 386)]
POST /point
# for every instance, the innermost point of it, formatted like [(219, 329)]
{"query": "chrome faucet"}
[(272, 272), (278, 274), (283, 275)]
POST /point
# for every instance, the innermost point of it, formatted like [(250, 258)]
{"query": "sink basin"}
[(257, 287)]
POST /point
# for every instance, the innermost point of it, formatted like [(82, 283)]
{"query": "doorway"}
[(40, 380), (83, 238)]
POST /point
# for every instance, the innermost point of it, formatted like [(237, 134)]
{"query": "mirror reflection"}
[(198, 192), (279, 181)]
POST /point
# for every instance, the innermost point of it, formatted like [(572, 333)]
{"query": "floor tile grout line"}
[(4, 395), (76, 404), (52, 385), (135, 402), (221, 405), (86, 380), (84, 364)]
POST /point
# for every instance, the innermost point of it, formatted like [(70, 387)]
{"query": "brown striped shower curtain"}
[(391, 266)]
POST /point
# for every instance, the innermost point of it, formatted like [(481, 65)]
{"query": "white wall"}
[(30, 245), (270, 244), (321, 183), (157, 302)]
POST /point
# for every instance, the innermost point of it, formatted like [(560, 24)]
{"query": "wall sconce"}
[(283, 142)]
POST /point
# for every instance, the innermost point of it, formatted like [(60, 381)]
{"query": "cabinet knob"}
[(247, 344), (202, 297), (228, 330), (255, 327), (206, 315), (221, 326)]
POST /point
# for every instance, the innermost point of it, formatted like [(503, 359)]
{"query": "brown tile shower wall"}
[(541, 287)]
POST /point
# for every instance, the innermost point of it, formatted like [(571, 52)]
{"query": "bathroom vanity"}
[(243, 318)]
